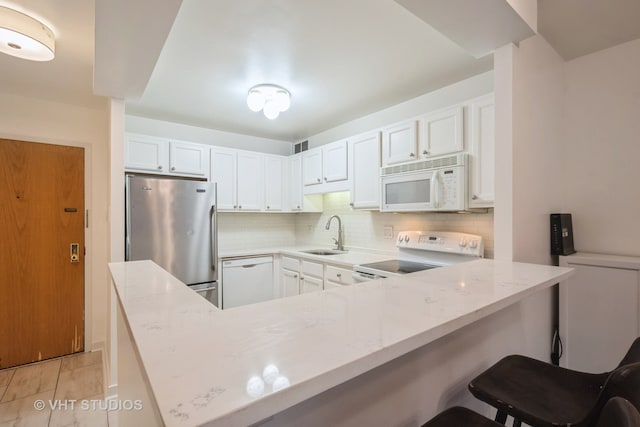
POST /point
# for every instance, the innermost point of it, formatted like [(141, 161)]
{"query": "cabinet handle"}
[(474, 197), (298, 206), (351, 204), (295, 276), (319, 180), (339, 275), (325, 179), (239, 206), (173, 168), (268, 207), (160, 167), (235, 206), (301, 278), (425, 152), (411, 155)]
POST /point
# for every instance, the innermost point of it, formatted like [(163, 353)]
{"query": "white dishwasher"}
[(246, 280)]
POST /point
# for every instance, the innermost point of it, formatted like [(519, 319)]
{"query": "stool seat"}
[(460, 417), (619, 412), (538, 393)]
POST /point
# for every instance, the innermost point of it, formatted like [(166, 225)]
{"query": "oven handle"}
[(363, 277), (434, 188)]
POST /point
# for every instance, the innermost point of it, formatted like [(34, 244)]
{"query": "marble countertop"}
[(348, 259), (206, 365)]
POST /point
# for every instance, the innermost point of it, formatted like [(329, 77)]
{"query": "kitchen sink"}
[(324, 252)]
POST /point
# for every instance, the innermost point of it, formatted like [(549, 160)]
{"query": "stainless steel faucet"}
[(339, 241)]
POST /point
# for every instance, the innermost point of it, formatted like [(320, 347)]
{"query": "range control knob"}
[(473, 244), (399, 238), (462, 243), (406, 238)]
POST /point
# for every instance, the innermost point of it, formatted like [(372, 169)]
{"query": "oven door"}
[(412, 191)]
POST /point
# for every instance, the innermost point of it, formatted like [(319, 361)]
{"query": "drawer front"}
[(339, 275), (290, 263), (312, 268)]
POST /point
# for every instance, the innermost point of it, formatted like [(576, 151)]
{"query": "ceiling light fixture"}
[(271, 99), (25, 37)]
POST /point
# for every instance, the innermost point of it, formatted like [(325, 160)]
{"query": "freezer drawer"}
[(246, 281)]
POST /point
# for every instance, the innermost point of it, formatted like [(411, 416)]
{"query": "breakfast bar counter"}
[(386, 352)]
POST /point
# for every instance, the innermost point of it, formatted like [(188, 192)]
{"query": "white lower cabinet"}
[(599, 310), (289, 282), (300, 275), (337, 277)]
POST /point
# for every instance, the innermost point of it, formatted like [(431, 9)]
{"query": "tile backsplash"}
[(365, 229), (362, 229)]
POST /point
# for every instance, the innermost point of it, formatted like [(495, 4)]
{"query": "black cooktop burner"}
[(399, 267)]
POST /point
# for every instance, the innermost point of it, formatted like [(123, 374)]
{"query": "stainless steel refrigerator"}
[(173, 223)]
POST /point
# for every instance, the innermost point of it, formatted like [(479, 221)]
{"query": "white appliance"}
[(246, 281), (423, 250), (438, 184)]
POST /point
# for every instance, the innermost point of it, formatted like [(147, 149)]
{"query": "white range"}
[(423, 250)]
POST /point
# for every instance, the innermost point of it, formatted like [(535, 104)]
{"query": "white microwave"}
[(438, 184)]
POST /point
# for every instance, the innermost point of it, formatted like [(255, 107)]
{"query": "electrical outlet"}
[(388, 232)]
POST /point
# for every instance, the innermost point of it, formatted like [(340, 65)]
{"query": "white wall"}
[(602, 144), (220, 138), (449, 95), (365, 229), (31, 119)]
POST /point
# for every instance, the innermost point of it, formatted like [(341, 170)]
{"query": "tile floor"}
[(78, 378)]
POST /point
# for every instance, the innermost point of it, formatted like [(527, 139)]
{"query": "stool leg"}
[(517, 422), (501, 417)]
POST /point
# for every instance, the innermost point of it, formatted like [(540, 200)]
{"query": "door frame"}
[(88, 241)]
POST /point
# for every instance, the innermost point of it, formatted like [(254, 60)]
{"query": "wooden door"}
[(41, 287)]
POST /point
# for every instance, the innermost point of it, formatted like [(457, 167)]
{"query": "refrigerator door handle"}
[(127, 219), (214, 235)]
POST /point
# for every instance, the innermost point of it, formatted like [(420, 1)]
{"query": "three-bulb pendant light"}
[(271, 99)]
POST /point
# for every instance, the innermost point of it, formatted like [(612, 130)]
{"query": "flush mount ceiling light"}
[(271, 99), (25, 37)]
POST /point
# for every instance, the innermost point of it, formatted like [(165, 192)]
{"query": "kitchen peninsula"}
[(386, 352)]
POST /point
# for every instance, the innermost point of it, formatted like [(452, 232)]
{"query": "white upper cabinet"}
[(188, 158), (364, 153), (441, 132), (240, 179), (482, 153), (161, 156), (400, 142), (295, 183), (312, 166), (146, 153), (275, 169), (334, 161), (250, 181), (223, 173), (326, 169)]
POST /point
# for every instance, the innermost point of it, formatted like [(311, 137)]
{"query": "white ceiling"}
[(340, 59)]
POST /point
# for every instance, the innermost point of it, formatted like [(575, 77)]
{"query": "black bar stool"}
[(541, 394), (618, 412)]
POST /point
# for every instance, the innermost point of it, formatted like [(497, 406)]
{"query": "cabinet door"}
[(482, 153), (289, 282), (189, 159), (334, 161), (146, 153), (312, 167), (250, 193), (399, 143), (223, 173), (364, 153), (599, 316), (274, 183), (441, 133), (295, 183), (310, 284)]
